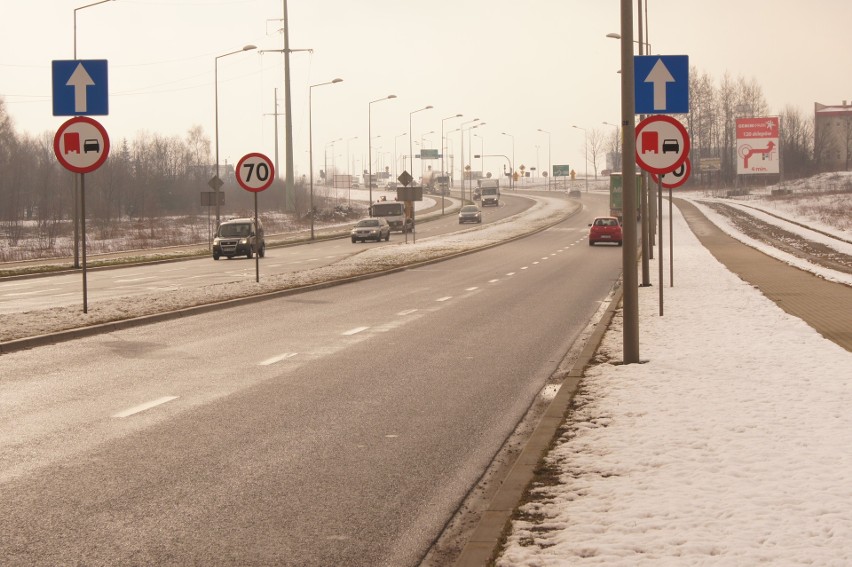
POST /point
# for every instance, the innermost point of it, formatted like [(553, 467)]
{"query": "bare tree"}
[(596, 146)]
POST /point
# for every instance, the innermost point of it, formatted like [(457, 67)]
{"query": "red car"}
[(605, 229)]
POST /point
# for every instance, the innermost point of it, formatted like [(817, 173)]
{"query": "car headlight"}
[(216, 240), (244, 241)]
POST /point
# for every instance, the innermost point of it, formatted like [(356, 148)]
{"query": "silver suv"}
[(238, 237)]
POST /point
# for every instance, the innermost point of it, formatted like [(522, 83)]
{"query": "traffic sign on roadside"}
[(662, 144), (661, 84), (675, 178), (561, 170), (80, 88), (81, 144), (255, 172)]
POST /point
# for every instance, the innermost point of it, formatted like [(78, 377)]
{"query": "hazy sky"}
[(518, 66)]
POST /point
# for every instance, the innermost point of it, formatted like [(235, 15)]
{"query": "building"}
[(833, 136)]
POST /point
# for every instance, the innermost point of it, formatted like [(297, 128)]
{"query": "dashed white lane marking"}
[(524, 267), (536, 262), (136, 279), (444, 298), (493, 281), (355, 331), (406, 312), (471, 289), (511, 274), (22, 293), (145, 406), (278, 358)]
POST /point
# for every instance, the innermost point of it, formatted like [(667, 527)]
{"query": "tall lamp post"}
[(586, 148), (218, 183), (311, 143), (443, 148), (370, 144), (630, 299), (512, 167), (461, 146), (422, 139), (481, 152), (76, 175), (348, 168), (396, 155), (617, 162), (549, 165), (410, 140)]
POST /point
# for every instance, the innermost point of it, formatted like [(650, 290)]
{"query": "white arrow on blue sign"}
[(661, 84), (80, 88)]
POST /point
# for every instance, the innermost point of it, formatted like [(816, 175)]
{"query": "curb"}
[(484, 544)]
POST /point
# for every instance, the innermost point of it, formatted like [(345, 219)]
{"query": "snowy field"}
[(731, 445)]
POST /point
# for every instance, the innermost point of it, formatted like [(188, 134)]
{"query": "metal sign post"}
[(81, 145), (255, 173)]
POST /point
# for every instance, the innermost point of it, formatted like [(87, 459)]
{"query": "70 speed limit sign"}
[(255, 172)]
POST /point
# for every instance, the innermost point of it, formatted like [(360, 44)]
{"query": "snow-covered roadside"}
[(546, 211), (731, 445), (722, 222)]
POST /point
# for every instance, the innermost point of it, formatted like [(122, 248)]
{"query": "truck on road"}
[(395, 212), (489, 190)]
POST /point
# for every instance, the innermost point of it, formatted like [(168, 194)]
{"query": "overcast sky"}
[(518, 66)]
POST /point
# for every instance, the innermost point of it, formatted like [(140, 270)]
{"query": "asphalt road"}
[(338, 427), (20, 295)]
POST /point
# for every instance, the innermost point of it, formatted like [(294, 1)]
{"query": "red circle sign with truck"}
[(662, 144), (81, 144), (255, 172)]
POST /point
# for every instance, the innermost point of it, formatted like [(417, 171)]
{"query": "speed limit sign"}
[(255, 172)]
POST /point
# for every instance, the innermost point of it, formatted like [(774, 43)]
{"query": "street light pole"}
[(370, 145), (311, 144), (77, 175), (549, 165), (628, 116), (443, 148), (396, 155), (586, 151), (511, 165), (218, 182), (349, 169), (461, 146), (410, 135)]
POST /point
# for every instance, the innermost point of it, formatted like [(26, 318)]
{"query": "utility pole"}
[(289, 184)]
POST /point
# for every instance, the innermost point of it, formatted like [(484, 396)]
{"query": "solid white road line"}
[(278, 358), (355, 331), (146, 406)]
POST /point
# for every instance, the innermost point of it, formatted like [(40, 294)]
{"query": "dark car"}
[(470, 213), (371, 229), (575, 193), (605, 229), (238, 237)]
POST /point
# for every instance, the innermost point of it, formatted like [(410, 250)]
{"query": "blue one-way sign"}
[(661, 84), (80, 88)]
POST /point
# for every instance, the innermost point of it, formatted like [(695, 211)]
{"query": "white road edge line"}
[(146, 406), (278, 358), (355, 331)]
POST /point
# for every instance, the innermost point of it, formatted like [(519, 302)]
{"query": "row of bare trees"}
[(711, 123), (144, 179)]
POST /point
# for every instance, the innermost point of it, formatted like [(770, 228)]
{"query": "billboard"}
[(757, 145)]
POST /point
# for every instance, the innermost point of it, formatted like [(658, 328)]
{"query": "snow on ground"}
[(722, 222), (731, 445)]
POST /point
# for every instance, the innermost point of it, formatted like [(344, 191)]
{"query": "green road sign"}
[(561, 170)]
